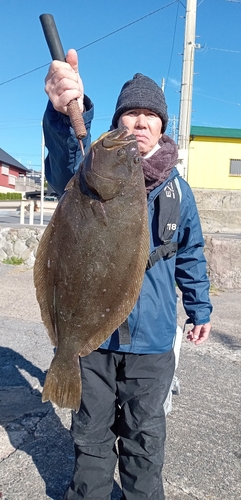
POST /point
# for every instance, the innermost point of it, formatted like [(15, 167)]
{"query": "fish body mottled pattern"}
[(90, 264)]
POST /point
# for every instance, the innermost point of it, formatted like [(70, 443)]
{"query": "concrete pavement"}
[(203, 451)]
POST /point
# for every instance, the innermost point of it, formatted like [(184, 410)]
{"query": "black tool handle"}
[(57, 53), (52, 37)]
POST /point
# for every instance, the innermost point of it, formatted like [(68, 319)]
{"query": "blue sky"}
[(153, 45)]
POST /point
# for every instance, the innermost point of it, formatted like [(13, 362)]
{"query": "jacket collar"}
[(155, 192)]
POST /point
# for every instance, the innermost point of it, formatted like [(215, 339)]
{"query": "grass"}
[(15, 261), (214, 290)]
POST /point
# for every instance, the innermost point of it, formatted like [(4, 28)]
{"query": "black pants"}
[(123, 396)]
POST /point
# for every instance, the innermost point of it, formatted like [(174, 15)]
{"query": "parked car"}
[(50, 198)]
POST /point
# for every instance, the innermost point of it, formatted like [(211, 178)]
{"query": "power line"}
[(205, 48), (95, 41), (217, 98), (224, 50)]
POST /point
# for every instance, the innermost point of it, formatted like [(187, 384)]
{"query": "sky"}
[(116, 39)]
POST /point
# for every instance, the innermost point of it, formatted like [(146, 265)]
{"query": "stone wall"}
[(21, 242), (222, 251)]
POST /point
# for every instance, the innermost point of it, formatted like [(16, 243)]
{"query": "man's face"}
[(145, 125)]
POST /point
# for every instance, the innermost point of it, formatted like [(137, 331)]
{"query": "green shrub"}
[(15, 261), (10, 196)]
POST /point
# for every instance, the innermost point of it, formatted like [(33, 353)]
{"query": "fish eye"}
[(136, 159), (121, 152)]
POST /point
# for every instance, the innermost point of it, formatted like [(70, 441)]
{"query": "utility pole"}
[(42, 178), (174, 128), (187, 86)]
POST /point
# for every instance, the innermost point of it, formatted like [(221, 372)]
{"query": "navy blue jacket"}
[(153, 320)]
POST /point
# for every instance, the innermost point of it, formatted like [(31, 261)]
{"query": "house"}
[(10, 171), (214, 158)]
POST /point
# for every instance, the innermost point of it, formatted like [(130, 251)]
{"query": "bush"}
[(10, 196), (16, 261)]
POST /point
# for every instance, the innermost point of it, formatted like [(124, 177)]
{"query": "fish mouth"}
[(116, 138)]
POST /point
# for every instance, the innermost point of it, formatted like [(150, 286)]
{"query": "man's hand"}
[(63, 83), (199, 333)]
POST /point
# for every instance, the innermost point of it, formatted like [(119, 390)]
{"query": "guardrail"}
[(22, 210), (30, 205)]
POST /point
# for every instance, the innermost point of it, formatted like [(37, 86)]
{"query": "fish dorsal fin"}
[(40, 270)]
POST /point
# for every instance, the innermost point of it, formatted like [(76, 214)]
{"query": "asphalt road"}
[(203, 451), (12, 218)]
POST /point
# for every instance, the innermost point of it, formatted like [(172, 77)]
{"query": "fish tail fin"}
[(63, 387)]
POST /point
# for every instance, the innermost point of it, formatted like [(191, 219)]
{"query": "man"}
[(125, 385)]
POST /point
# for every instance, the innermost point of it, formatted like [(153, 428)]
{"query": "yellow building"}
[(214, 158)]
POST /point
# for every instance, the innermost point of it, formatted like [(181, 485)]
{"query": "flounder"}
[(91, 259)]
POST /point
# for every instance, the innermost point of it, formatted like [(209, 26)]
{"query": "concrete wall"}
[(220, 213), (223, 253), (219, 210)]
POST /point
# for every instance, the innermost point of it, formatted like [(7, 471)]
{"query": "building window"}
[(235, 167), (5, 170), (12, 180)]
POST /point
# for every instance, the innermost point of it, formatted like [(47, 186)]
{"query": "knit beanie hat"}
[(141, 92)]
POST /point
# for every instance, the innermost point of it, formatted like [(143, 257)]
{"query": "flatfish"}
[(91, 259)]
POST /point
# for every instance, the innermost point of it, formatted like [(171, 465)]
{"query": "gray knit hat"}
[(141, 92)]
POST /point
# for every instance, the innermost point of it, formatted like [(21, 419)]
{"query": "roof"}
[(234, 133), (9, 160)]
